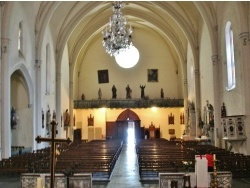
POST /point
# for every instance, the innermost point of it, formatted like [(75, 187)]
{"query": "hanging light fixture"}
[(117, 36)]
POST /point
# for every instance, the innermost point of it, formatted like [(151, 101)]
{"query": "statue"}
[(128, 92), (83, 97), (210, 114), (66, 118), (223, 110), (48, 118), (13, 118), (162, 93), (114, 92), (142, 91), (99, 93)]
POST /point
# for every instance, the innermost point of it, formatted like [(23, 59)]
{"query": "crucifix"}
[(53, 141)]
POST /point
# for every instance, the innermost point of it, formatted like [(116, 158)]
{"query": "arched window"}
[(20, 38), (47, 84), (231, 81)]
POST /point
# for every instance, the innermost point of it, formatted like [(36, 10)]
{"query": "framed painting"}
[(103, 76), (152, 75)]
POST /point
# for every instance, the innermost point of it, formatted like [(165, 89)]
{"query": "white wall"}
[(154, 54)]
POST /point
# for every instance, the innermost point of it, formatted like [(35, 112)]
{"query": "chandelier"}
[(117, 36)]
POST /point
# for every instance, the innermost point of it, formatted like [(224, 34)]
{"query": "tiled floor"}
[(125, 175)]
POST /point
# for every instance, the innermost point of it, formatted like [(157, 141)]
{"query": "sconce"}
[(14, 118)]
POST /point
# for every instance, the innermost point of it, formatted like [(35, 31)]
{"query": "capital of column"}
[(214, 59), (38, 64), (244, 36), (185, 81), (196, 72), (5, 43)]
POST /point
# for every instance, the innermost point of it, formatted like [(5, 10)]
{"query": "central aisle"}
[(125, 173)]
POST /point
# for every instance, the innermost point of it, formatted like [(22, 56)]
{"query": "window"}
[(47, 84), (20, 38), (231, 82)]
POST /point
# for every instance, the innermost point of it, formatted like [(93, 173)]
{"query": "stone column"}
[(58, 102), (197, 100), (245, 56), (217, 102), (5, 101), (37, 106)]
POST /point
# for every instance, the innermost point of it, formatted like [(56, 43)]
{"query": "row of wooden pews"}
[(97, 157), (159, 155)]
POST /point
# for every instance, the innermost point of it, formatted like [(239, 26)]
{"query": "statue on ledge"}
[(128, 92), (114, 92), (99, 93), (142, 91)]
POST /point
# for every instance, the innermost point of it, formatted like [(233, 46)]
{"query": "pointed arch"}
[(128, 115)]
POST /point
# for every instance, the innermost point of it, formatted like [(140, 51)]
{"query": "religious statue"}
[(42, 119), (162, 93), (142, 91), (128, 92), (114, 92), (210, 109), (54, 115), (66, 118), (48, 118), (223, 110), (48, 121), (13, 118), (99, 93), (83, 97)]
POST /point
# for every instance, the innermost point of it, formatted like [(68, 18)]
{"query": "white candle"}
[(39, 183), (214, 157)]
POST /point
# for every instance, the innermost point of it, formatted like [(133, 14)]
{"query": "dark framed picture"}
[(152, 75), (103, 76)]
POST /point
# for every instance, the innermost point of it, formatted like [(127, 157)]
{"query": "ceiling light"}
[(128, 58)]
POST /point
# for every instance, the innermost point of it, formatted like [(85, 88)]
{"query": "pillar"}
[(217, 102), (245, 56), (197, 100), (5, 101), (38, 110)]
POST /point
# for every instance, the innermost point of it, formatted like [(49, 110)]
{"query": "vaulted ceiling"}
[(78, 23)]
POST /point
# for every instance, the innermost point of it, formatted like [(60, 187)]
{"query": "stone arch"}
[(122, 124), (128, 115), (22, 134)]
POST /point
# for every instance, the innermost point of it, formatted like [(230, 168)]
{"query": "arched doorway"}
[(22, 131), (128, 123)]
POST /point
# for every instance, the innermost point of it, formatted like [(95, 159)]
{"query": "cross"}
[(53, 141)]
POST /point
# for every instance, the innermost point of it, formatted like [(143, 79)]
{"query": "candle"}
[(39, 183), (214, 157)]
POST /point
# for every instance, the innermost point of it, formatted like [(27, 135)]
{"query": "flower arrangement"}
[(187, 165)]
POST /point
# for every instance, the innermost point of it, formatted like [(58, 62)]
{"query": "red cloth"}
[(210, 162)]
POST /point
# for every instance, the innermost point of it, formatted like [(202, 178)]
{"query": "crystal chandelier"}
[(117, 36)]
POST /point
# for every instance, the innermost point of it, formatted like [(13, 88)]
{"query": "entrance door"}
[(131, 133)]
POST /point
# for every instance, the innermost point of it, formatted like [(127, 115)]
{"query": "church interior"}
[(82, 80)]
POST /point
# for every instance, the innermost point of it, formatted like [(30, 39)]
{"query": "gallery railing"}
[(128, 103)]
